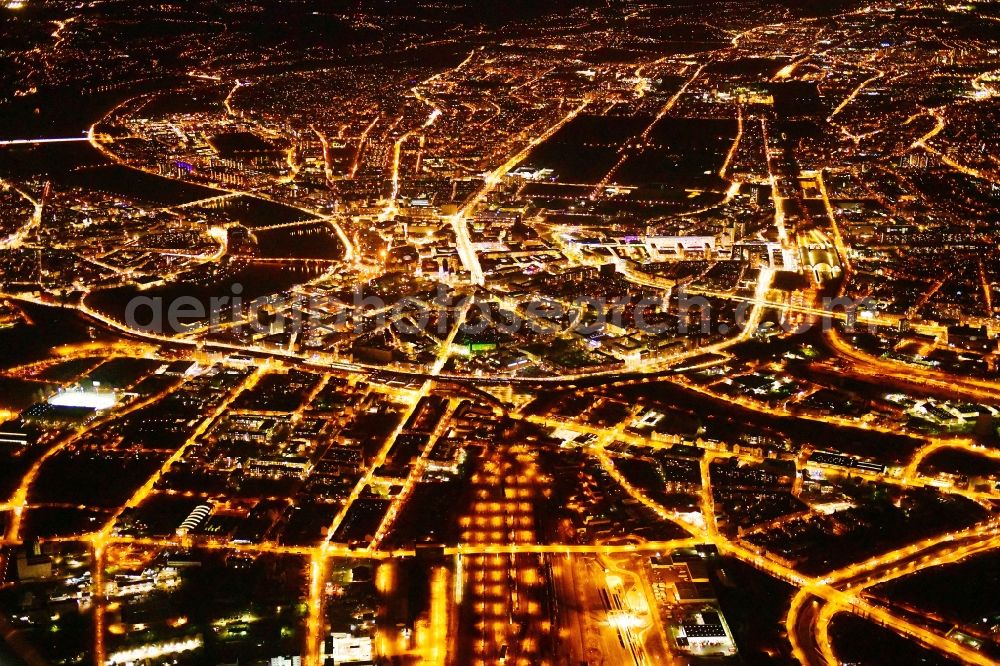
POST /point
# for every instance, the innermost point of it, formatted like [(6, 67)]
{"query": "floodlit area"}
[(479, 333), (85, 399)]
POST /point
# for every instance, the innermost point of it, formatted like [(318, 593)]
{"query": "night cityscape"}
[(485, 333)]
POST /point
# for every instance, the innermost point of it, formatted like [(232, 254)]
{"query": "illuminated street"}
[(499, 333)]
